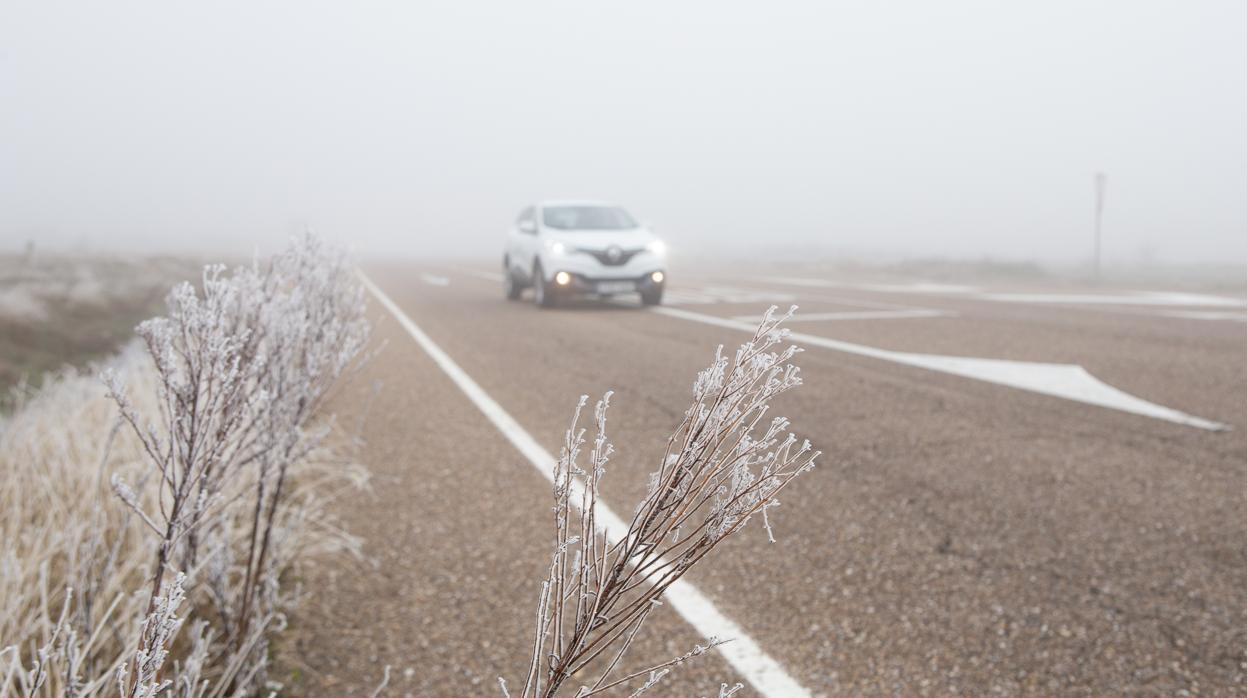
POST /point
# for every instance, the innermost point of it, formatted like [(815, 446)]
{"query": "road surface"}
[(975, 526)]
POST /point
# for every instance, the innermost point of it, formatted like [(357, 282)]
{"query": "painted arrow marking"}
[(1068, 381)]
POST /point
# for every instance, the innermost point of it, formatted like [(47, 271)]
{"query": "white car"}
[(561, 248)]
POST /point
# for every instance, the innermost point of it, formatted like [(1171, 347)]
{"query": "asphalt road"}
[(960, 536)]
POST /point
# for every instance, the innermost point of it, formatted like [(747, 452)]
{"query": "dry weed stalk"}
[(239, 368), (241, 371), (723, 465), (69, 558)]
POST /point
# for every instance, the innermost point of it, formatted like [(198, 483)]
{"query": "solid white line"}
[(854, 301), (858, 315), (1207, 315), (1154, 298), (1145, 298), (921, 287), (764, 673), (1068, 381)]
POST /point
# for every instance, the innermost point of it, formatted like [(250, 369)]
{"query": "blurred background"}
[(1035, 462), (878, 132)]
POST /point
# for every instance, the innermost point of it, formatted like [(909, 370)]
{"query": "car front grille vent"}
[(612, 256)]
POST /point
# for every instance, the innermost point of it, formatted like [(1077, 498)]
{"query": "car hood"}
[(603, 239)]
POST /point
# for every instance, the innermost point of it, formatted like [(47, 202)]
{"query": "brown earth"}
[(65, 311)]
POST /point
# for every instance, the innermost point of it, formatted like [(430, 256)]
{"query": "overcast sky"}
[(958, 129)]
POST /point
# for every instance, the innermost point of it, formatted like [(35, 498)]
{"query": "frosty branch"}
[(724, 464)]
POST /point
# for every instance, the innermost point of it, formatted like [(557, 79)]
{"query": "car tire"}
[(510, 285), (543, 294), (651, 297)]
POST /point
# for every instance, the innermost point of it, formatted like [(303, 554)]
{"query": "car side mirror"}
[(528, 227)]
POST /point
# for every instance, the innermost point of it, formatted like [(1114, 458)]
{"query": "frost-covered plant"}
[(158, 631), (208, 363), (723, 465), (236, 471), (314, 328), (241, 368), (69, 558)]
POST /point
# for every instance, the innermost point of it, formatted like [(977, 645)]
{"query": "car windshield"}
[(587, 218)]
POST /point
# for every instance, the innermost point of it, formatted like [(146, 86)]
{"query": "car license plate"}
[(616, 286)]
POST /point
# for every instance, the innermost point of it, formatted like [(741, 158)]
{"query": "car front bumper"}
[(609, 285)]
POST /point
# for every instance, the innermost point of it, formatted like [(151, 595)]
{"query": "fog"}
[(872, 130)]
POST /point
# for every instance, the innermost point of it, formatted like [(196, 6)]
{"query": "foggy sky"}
[(955, 129)]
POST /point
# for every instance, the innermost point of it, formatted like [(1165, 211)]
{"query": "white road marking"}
[(731, 294), (913, 287), (1207, 315), (434, 280), (743, 653), (480, 274), (1068, 381), (708, 295), (1153, 298), (856, 302), (859, 315), (686, 296)]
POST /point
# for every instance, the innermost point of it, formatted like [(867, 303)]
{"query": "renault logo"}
[(613, 253)]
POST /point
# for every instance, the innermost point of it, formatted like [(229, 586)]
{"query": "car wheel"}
[(543, 295), (509, 285), (652, 297)]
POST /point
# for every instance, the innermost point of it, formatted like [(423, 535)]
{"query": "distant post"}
[(1101, 183)]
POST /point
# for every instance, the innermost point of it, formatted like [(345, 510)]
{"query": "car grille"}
[(618, 259)]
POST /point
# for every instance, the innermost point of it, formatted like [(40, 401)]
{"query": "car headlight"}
[(556, 247), (658, 247)]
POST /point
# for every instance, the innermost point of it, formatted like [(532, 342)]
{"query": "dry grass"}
[(176, 588), (56, 451), (67, 539)]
